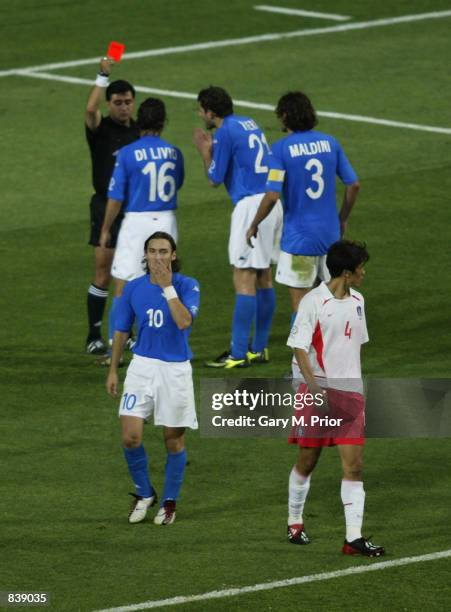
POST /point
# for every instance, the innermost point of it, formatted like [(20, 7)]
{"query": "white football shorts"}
[(135, 229), (162, 388), (300, 271), (266, 245)]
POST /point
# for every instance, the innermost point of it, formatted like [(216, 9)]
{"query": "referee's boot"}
[(96, 346)]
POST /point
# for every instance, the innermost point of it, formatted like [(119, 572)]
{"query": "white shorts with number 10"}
[(162, 388), (266, 245)]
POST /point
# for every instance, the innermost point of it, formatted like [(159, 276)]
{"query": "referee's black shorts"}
[(97, 208)]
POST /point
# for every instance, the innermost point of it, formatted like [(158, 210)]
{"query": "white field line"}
[(300, 13), (243, 103), (276, 584), (362, 25)]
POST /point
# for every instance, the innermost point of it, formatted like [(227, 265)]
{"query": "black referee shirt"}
[(104, 144)]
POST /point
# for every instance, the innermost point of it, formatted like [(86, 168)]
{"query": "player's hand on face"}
[(106, 64), (112, 384), (202, 141), (251, 233), (161, 273)]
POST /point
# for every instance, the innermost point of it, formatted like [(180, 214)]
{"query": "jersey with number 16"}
[(147, 175)]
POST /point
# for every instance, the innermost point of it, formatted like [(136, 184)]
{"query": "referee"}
[(105, 136)]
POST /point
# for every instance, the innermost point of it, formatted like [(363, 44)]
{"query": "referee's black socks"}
[(96, 303)]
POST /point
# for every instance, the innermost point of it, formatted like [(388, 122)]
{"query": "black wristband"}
[(104, 74)]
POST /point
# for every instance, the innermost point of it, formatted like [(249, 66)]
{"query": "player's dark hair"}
[(346, 255), (296, 112), (119, 87), (175, 264), (151, 115), (217, 100)]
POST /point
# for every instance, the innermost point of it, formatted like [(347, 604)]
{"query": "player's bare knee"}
[(264, 279), (354, 475), (175, 445), (131, 439), (174, 439), (296, 295), (353, 470), (244, 281), (307, 460)]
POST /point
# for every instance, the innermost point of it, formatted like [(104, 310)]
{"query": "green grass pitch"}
[(64, 483)]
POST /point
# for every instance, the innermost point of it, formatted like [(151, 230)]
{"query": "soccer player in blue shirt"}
[(238, 155), (147, 175), (159, 378), (303, 167)]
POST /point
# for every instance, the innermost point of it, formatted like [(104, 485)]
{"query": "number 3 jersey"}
[(158, 336), (240, 157), (331, 331), (304, 166), (147, 175)]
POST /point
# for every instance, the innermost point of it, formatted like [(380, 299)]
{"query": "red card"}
[(115, 51)]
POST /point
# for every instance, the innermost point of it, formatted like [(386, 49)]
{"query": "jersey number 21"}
[(261, 143)]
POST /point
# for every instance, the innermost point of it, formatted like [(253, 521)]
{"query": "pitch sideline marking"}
[(245, 103), (276, 584), (300, 13), (239, 41)]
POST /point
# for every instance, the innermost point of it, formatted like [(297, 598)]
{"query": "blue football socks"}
[(175, 470), (138, 467), (243, 316), (265, 306)]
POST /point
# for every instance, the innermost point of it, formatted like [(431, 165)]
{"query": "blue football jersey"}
[(147, 175), (240, 157), (157, 334), (304, 166)]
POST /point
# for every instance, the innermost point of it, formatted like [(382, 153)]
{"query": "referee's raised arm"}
[(93, 116)]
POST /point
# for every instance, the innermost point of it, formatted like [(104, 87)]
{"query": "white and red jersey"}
[(331, 331)]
